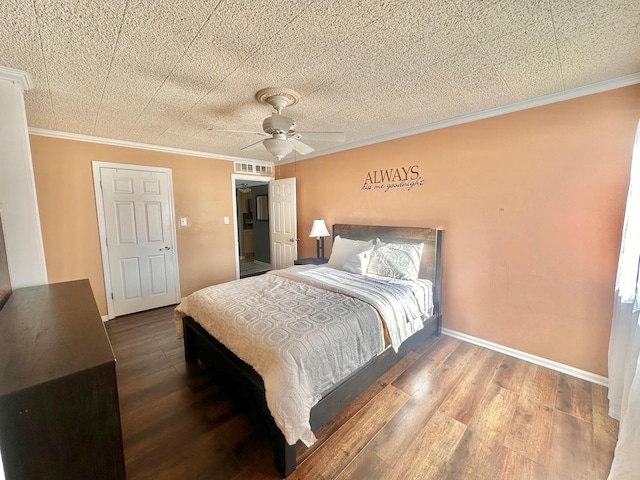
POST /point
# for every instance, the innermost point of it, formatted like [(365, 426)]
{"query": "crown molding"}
[(591, 89), (143, 146), (16, 76)]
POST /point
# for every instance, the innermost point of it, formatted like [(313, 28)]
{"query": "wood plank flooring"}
[(250, 268), (449, 410)]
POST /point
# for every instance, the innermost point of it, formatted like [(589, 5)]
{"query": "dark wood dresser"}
[(59, 413)]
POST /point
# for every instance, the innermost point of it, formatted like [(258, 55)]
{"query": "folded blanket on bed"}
[(402, 304)]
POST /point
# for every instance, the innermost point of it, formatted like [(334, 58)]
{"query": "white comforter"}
[(305, 328)]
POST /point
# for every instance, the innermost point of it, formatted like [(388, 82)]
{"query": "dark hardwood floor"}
[(448, 411)]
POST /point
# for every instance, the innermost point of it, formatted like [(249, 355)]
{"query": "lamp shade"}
[(319, 229)]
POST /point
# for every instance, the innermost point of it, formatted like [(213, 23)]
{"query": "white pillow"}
[(396, 260), (358, 260), (342, 248)]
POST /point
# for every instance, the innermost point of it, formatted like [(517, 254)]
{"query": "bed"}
[(357, 332)]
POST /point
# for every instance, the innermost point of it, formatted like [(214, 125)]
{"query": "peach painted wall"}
[(66, 199), (532, 203)]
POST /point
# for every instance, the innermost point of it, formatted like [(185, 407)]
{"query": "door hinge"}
[(111, 295)]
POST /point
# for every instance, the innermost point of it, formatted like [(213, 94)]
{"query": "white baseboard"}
[(105, 318), (544, 362)]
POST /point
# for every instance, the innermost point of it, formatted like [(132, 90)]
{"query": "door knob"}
[(294, 240), (166, 247)]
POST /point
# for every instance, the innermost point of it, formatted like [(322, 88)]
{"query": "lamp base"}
[(320, 247)]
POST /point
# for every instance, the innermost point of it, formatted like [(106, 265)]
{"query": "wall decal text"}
[(392, 178)]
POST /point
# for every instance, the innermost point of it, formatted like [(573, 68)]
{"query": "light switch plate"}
[(226, 220), (183, 221)]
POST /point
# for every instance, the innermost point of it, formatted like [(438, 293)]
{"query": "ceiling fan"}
[(280, 130)]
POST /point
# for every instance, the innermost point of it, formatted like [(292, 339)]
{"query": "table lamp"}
[(319, 230)]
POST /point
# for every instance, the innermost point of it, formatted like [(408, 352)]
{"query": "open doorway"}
[(252, 226)]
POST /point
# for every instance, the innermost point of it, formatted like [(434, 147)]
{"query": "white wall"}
[(18, 203)]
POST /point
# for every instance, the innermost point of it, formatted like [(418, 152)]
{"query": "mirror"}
[(262, 207)]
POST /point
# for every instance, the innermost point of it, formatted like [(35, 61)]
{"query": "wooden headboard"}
[(433, 238)]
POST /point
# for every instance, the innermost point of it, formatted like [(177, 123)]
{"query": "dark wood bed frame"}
[(200, 345)]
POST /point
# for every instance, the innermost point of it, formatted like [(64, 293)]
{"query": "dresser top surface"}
[(48, 332)]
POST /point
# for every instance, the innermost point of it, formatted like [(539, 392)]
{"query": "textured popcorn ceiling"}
[(171, 73)]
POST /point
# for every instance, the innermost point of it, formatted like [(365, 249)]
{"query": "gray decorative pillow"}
[(396, 260)]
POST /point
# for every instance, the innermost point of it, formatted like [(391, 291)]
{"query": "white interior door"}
[(283, 222), (139, 238)]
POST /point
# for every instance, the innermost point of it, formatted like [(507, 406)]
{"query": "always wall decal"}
[(393, 178)]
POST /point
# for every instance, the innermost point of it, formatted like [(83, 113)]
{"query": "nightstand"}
[(310, 261)]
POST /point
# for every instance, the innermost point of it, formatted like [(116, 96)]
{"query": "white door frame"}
[(236, 240), (102, 228)]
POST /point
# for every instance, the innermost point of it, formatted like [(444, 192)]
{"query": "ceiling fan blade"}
[(242, 131), (252, 145), (301, 148), (328, 136)]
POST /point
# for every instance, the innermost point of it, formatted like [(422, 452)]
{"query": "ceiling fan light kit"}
[(278, 146), (281, 130)]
